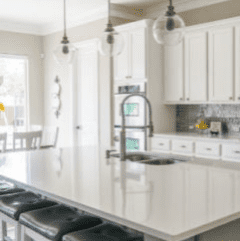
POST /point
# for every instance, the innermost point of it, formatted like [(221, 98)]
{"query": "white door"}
[(221, 68), (138, 59), (173, 73), (196, 66), (121, 62), (87, 95)]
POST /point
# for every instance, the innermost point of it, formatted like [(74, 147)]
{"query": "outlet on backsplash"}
[(236, 128)]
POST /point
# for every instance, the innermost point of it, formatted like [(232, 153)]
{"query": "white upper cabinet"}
[(173, 73), (121, 62), (131, 64), (221, 64), (196, 77), (138, 54), (237, 64)]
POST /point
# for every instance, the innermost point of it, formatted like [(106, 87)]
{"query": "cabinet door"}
[(237, 64), (121, 62), (222, 192), (173, 73), (196, 66), (221, 66), (137, 56)]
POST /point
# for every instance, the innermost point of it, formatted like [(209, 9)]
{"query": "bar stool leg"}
[(18, 232), (3, 229)]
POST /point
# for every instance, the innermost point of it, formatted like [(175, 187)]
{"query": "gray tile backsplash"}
[(187, 115)]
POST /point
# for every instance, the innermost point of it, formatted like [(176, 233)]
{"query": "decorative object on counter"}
[(202, 126), (56, 101), (111, 42), (215, 128), (168, 29), (65, 52)]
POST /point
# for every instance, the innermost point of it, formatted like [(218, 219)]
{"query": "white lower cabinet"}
[(208, 149), (160, 144), (221, 150), (182, 147), (231, 152)]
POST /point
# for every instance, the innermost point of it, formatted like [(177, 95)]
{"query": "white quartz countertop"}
[(201, 136), (171, 202)]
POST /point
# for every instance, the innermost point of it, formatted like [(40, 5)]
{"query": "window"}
[(14, 91)]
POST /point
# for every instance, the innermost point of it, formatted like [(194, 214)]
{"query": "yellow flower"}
[(2, 108)]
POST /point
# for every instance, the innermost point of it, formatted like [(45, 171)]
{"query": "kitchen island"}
[(166, 202)]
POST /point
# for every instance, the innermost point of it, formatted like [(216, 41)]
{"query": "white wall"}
[(31, 46)]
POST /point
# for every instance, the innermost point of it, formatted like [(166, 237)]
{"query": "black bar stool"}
[(12, 205), (103, 232), (53, 222)]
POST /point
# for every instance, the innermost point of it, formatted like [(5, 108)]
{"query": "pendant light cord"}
[(65, 32), (170, 2), (109, 11)]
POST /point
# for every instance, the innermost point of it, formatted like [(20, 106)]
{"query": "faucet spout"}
[(123, 131)]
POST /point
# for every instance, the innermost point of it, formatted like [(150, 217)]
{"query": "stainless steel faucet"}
[(123, 135)]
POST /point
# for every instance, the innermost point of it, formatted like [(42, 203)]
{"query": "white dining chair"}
[(27, 140), (3, 142), (49, 137)]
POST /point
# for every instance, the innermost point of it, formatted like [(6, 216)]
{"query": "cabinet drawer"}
[(160, 144), (231, 152), (208, 149), (186, 147)]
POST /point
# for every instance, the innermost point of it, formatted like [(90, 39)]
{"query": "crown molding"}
[(180, 6), (24, 28)]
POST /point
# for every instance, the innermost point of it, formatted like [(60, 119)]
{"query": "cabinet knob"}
[(78, 127), (238, 152), (187, 98), (239, 98), (183, 146), (161, 144), (208, 149), (230, 98), (181, 98)]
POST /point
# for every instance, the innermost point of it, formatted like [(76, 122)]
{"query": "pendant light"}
[(65, 51), (111, 42), (168, 29)]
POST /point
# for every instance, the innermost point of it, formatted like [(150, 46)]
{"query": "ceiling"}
[(42, 17)]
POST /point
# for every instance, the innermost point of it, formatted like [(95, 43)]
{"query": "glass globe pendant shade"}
[(111, 43), (168, 30), (64, 53)]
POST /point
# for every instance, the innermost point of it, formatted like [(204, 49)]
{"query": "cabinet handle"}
[(161, 144), (238, 152), (183, 146), (230, 98), (208, 149)]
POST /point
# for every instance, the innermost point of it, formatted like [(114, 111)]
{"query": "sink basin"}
[(160, 162), (147, 158)]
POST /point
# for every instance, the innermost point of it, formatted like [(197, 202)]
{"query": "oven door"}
[(134, 110), (135, 140)]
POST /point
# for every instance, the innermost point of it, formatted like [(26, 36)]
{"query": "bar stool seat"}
[(54, 222), (103, 232), (14, 204), (10, 190)]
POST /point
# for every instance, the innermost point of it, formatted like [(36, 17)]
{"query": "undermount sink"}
[(147, 158)]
